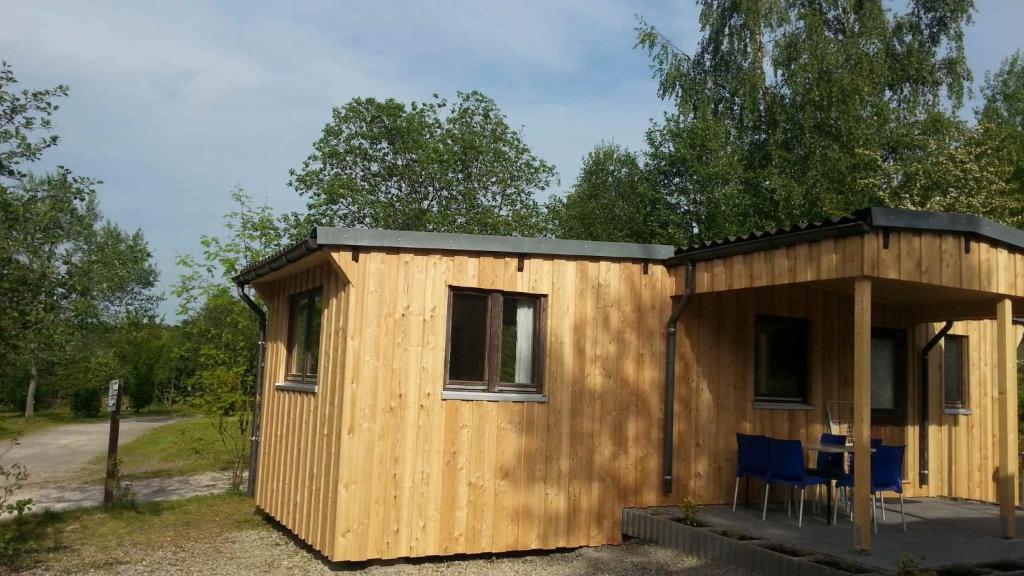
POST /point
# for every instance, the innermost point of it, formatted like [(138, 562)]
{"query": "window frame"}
[(304, 377), (779, 401), (897, 415), (492, 388), (964, 380)]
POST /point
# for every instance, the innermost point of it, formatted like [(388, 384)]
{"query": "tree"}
[(219, 332), (791, 111), (614, 199), (64, 269), (1001, 121), (254, 232), (421, 166), (23, 115)]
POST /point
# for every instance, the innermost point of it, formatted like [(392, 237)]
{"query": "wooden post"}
[(1007, 410), (114, 406), (862, 414)]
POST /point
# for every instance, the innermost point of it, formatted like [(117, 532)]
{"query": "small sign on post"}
[(114, 407)]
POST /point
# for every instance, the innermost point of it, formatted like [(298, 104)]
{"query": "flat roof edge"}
[(971, 224), (331, 236)]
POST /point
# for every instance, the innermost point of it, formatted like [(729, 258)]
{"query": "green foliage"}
[(615, 200), (86, 400), (225, 399), (791, 111), (64, 269), (689, 512), (12, 478), (23, 115), (908, 565), (423, 166), (253, 232)]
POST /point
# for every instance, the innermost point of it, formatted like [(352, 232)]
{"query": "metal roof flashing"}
[(434, 241), (859, 222)]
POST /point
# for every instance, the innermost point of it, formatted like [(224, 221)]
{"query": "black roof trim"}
[(858, 222), (276, 261), (359, 237)]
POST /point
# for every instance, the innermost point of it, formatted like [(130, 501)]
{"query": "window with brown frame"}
[(494, 342), (888, 375), (305, 310), (954, 372), (781, 360)]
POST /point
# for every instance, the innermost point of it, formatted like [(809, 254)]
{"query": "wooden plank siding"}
[(301, 431), (925, 257), (377, 465), (716, 392)]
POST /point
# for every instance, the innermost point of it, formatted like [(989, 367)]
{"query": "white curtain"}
[(524, 341)]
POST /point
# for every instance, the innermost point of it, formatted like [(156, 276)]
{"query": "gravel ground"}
[(269, 552)]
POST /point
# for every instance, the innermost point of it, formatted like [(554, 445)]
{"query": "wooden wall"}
[(924, 257), (716, 396), (414, 475), (377, 465), (301, 432), (963, 447)]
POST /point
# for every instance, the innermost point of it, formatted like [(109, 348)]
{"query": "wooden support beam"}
[(1007, 389), (862, 414)]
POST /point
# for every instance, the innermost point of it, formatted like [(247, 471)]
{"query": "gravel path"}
[(270, 553), (56, 454), (58, 498)]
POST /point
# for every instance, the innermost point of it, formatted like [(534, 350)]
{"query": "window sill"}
[(296, 387), (782, 406), (958, 411), (493, 396)]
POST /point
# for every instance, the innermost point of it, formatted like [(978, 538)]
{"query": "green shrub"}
[(689, 510), (85, 401)]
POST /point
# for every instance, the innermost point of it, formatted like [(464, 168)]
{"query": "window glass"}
[(883, 374), (888, 372), (517, 339), (780, 359), (298, 318), (305, 312), (315, 319), (954, 356), (494, 342), (468, 345)]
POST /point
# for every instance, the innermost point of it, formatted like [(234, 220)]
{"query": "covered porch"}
[(952, 537), (921, 279)]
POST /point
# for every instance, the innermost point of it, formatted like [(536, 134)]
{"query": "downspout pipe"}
[(668, 433), (254, 447), (923, 428)]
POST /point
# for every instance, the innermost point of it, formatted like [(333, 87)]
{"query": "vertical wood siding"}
[(925, 257), (395, 471), (377, 465), (299, 457)]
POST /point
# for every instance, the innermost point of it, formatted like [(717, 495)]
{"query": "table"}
[(831, 449)]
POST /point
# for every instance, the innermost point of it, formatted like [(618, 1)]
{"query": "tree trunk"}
[(30, 400)]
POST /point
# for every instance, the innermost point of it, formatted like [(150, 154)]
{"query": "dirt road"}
[(55, 455)]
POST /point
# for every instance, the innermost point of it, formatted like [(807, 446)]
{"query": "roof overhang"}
[(859, 222)]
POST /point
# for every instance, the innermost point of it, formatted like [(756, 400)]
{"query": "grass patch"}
[(187, 447), (15, 424), (96, 539)]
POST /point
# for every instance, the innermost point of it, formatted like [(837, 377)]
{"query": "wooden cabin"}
[(433, 394)]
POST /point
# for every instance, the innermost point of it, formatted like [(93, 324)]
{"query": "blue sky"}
[(174, 104)]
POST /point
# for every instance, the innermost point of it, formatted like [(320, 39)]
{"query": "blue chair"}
[(752, 461), (886, 475), (830, 465), (786, 468)]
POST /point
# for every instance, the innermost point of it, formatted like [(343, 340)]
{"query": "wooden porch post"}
[(1007, 390), (862, 414)]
